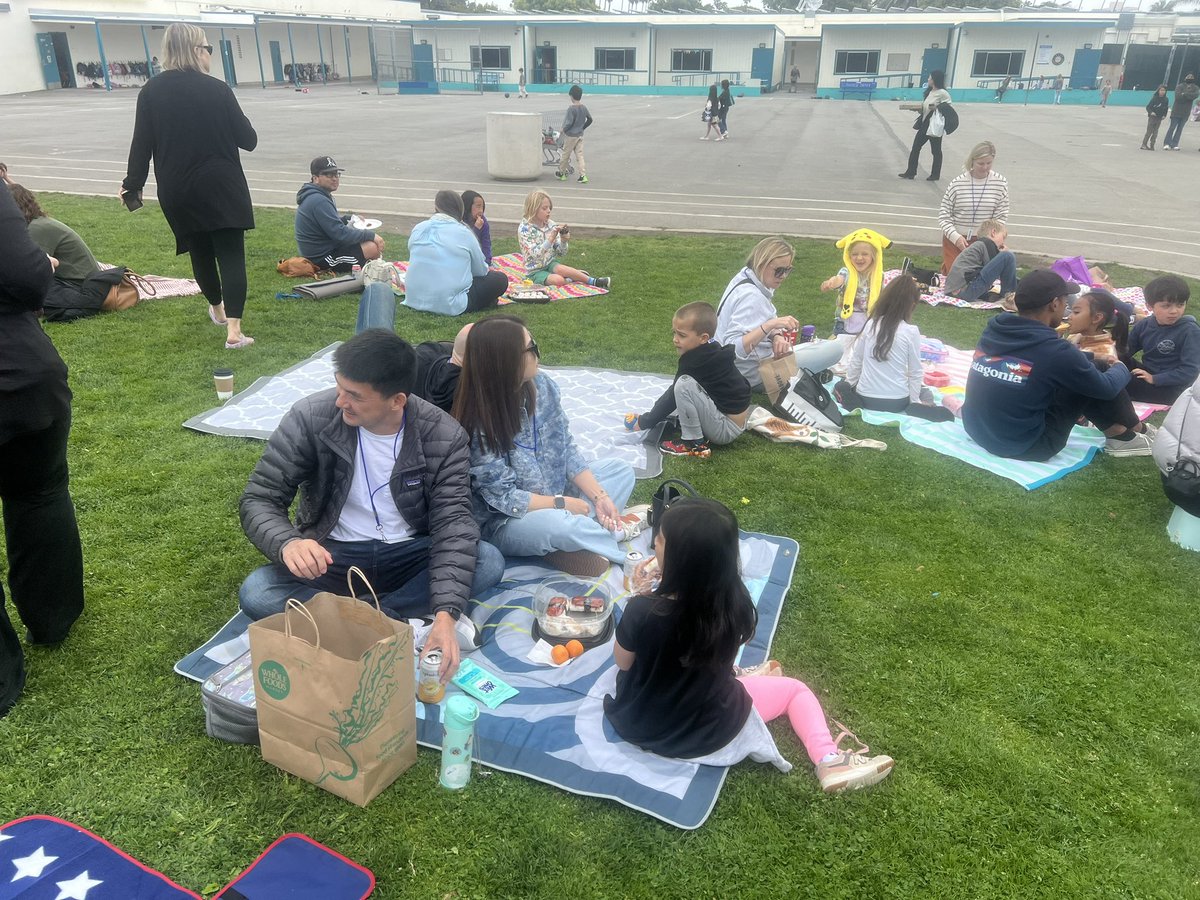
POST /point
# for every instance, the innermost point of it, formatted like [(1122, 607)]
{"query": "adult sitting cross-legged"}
[(1027, 386), (323, 236), (384, 485)]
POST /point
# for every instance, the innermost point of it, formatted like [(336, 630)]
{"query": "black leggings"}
[(850, 399), (223, 250)]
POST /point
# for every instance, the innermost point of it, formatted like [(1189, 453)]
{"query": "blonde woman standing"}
[(191, 126), (978, 194)]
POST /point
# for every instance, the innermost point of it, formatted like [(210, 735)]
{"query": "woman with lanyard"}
[(533, 492), (976, 195)]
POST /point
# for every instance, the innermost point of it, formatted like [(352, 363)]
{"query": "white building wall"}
[(1064, 39), (901, 50), (732, 48), (577, 45), (21, 69)]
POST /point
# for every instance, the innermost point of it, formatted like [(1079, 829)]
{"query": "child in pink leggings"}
[(677, 694)]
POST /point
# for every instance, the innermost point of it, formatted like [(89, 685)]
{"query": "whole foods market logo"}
[(274, 679)]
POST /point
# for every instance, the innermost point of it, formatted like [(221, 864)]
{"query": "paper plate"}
[(371, 223)]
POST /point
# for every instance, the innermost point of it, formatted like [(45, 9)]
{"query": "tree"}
[(457, 6), (1163, 6), (564, 6)]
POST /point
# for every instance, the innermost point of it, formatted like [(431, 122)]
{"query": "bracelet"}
[(596, 499)]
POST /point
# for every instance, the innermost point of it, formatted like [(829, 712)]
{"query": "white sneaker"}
[(1138, 445), (632, 523), (851, 770)]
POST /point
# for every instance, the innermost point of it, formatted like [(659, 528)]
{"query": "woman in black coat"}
[(935, 94), (1156, 111), (45, 562), (191, 125)]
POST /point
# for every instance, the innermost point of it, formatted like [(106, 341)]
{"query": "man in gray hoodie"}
[(323, 236)]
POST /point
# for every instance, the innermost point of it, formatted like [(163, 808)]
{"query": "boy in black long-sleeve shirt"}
[(710, 395)]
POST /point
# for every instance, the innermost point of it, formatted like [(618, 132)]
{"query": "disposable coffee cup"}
[(223, 382)]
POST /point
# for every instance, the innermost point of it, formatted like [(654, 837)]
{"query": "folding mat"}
[(513, 266), (595, 401), (554, 730)]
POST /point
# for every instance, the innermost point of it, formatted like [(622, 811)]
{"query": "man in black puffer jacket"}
[(384, 485)]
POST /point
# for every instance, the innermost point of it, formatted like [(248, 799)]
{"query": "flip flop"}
[(213, 316), (241, 342)]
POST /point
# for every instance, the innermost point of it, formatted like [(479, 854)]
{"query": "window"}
[(491, 58), (691, 60), (1112, 54), (997, 62), (856, 62), (897, 62), (619, 59)]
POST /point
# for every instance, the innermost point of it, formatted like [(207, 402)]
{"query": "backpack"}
[(950, 115), (807, 402), (668, 492)]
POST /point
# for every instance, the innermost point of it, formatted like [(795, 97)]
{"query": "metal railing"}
[(703, 79), (590, 76)]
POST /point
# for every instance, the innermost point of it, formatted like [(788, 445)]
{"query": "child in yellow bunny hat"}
[(860, 280)]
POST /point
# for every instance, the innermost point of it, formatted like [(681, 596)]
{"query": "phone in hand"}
[(132, 200)]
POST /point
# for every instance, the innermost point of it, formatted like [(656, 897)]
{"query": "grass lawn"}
[(1028, 658)]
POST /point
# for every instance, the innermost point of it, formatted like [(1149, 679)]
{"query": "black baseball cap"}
[(1041, 286), (323, 165)]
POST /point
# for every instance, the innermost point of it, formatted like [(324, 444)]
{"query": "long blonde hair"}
[(766, 250), (179, 45), (534, 202)]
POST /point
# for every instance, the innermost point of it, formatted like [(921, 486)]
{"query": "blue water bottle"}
[(458, 730)]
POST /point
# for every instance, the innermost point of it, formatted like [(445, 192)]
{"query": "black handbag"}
[(668, 492), (1183, 475)]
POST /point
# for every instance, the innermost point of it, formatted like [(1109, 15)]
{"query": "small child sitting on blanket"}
[(542, 244), (984, 260), (677, 694), (710, 395), (884, 372), (1091, 315), (1169, 342), (859, 281)]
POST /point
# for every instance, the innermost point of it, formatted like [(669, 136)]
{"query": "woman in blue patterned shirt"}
[(533, 492)]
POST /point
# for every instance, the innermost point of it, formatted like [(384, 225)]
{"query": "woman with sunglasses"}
[(192, 127), (747, 318), (533, 492)]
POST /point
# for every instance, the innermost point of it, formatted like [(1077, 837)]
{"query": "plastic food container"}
[(936, 378), (566, 608)]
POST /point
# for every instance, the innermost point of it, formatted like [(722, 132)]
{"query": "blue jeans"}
[(377, 308), (1003, 266), (1174, 131), (398, 572), (543, 531)]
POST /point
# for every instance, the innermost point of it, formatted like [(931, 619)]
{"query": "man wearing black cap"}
[(1027, 386), (1186, 93), (323, 236), (384, 485)]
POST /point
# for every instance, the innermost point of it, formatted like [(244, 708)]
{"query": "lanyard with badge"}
[(371, 492)]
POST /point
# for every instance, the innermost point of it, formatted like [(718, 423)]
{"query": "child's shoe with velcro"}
[(686, 448)]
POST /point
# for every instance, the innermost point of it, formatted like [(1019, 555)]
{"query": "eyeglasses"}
[(208, 47), (783, 271), (533, 348)]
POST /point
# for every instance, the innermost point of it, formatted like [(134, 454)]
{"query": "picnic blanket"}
[(163, 286), (594, 400), (935, 297), (554, 730), (513, 266)]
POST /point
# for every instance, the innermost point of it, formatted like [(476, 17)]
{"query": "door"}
[(276, 62), (762, 64), (545, 65), (227, 63), (62, 52), (48, 59), (422, 60), (934, 59), (1084, 69)]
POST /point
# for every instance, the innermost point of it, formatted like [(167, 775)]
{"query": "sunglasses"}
[(783, 271), (208, 47), (533, 348)]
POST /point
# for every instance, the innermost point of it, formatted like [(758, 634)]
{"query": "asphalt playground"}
[(793, 165)]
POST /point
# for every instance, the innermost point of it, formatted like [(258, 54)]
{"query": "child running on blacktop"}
[(884, 371), (710, 395), (859, 281), (543, 243), (1169, 342), (676, 691), (1088, 323)]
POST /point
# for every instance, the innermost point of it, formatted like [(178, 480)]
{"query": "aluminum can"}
[(429, 688), (632, 559)]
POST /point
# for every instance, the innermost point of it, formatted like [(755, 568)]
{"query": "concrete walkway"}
[(793, 165)]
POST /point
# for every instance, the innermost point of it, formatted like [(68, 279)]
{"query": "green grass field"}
[(1029, 659)]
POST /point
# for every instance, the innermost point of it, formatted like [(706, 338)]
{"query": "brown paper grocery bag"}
[(776, 374), (333, 680)]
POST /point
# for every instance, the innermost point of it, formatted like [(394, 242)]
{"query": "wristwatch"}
[(560, 502), (454, 611)]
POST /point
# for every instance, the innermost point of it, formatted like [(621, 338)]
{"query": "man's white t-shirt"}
[(370, 512)]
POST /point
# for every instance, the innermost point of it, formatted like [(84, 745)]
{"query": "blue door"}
[(932, 60), (276, 62), (1084, 69), (49, 61), (762, 64), (423, 63), (227, 63)]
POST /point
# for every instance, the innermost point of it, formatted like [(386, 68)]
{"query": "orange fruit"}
[(574, 648), (560, 654)]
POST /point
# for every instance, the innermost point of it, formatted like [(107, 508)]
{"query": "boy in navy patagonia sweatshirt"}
[(1027, 386), (1169, 342)]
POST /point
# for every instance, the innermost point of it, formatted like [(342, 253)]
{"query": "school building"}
[(395, 46)]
